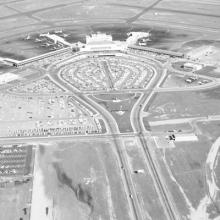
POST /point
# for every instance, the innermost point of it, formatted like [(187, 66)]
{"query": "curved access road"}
[(112, 128), (137, 124)]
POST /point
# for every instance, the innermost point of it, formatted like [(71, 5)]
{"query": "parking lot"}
[(19, 108), (85, 125), (44, 116), (16, 167), (86, 75), (129, 74), (15, 160), (104, 72), (43, 85)]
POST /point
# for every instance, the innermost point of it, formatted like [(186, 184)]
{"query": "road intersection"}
[(113, 133)]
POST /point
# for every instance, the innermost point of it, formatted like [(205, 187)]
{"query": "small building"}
[(192, 66), (100, 42), (184, 137)]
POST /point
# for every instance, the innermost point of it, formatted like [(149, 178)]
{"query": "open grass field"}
[(22, 49), (18, 18), (209, 71), (188, 6), (88, 12), (146, 192), (210, 129), (119, 105), (84, 180), (192, 20), (193, 104), (183, 167), (166, 127), (13, 199)]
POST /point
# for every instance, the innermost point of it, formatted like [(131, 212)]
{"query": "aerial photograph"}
[(110, 110)]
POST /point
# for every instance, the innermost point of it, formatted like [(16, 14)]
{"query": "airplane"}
[(53, 48), (134, 37), (59, 46), (58, 31), (28, 37), (64, 35), (38, 40), (42, 35), (143, 41), (46, 45)]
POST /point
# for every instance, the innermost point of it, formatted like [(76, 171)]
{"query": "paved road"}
[(138, 127), (114, 134), (137, 124), (40, 201), (112, 129), (160, 185)]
